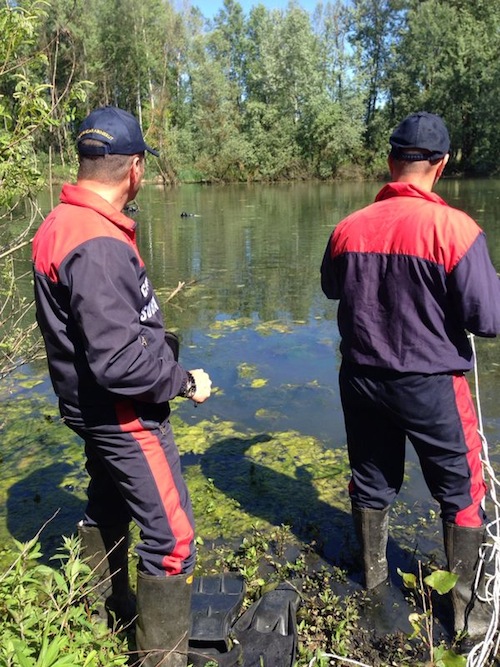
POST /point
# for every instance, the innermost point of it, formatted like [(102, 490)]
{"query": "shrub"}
[(44, 621)]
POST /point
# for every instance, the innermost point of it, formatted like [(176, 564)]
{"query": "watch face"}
[(188, 389), (191, 386)]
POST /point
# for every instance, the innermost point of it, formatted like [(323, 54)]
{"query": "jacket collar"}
[(399, 189), (78, 196)]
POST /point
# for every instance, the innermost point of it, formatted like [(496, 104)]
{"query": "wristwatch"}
[(188, 388)]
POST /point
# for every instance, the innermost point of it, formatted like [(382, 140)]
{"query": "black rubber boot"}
[(164, 619), (372, 530), (106, 552), (462, 546)]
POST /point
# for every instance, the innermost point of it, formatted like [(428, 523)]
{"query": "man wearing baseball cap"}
[(413, 276), (114, 374)]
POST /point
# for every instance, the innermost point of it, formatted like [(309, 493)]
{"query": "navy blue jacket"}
[(96, 308), (412, 276)]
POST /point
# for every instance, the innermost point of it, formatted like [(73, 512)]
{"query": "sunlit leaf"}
[(441, 581), (409, 579)]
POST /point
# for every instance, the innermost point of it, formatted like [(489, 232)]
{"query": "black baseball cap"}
[(420, 136), (118, 130)]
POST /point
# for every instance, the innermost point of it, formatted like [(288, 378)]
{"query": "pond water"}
[(254, 252), (253, 315)]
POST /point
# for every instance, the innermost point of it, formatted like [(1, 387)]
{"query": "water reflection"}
[(251, 260), (255, 249)]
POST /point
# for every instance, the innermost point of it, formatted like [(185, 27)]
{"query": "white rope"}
[(490, 553)]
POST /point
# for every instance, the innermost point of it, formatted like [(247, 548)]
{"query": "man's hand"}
[(203, 385)]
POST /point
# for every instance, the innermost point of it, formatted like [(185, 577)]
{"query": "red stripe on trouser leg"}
[(160, 469), (470, 516)]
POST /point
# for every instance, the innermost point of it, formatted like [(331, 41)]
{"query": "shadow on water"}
[(277, 498), (261, 491), (282, 499), (37, 499)]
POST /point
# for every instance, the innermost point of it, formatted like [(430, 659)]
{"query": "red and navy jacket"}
[(96, 309), (413, 275)]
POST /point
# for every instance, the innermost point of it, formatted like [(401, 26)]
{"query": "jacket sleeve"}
[(122, 337), (329, 273), (474, 287)]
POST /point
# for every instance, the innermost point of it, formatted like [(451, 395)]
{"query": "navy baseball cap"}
[(118, 130), (423, 134)]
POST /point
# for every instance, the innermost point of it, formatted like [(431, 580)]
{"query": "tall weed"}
[(44, 621)]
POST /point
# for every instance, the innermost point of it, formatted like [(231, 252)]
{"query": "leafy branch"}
[(422, 623)]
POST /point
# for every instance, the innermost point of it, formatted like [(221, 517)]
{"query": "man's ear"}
[(392, 166), (441, 167), (136, 169)]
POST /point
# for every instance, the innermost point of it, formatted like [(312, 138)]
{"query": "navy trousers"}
[(135, 473), (436, 413)]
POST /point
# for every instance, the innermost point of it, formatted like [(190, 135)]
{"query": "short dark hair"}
[(413, 167), (105, 168)]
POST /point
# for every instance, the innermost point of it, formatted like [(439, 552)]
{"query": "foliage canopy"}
[(270, 94)]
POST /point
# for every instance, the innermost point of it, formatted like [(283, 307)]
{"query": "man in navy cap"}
[(114, 374), (412, 276)]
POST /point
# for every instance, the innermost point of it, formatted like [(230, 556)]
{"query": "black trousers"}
[(436, 413), (135, 473)]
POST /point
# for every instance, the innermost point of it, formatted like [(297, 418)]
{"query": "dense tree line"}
[(274, 93), (268, 95)]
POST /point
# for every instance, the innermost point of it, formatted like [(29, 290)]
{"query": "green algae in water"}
[(257, 383), (263, 413), (266, 479), (223, 326), (246, 371), (238, 480), (275, 326), (43, 475)]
